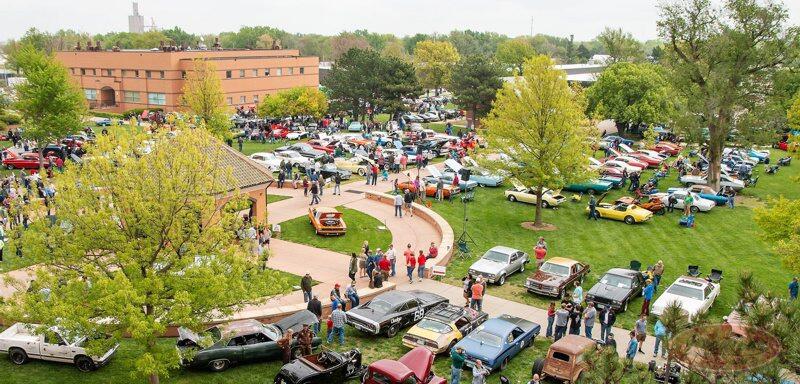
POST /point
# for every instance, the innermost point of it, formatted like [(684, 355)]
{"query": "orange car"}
[(327, 221), (430, 189)]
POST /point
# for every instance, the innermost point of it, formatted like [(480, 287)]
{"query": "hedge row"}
[(138, 111), (109, 115)]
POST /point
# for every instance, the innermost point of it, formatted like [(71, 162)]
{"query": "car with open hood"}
[(724, 181), (498, 340), (23, 342), (555, 276), (294, 158), (324, 367), (415, 367), (695, 295), (442, 327), (391, 311), (590, 187), (224, 345), (522, 194), (705, 192), (616, 289), (699, 204), (304, 149), (480, 175), (498, 263), (448, 178)]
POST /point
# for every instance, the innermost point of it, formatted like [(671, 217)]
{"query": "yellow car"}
[(629, 213), (356, 164), (519, 193), (442, 327)]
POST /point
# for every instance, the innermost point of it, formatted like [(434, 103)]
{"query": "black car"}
[(324, 367), (616, 289), (327, 171), (388, 312)]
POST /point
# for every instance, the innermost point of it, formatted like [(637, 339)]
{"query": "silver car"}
[(498, 263)]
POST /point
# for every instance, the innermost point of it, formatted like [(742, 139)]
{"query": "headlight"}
[(617, 302)]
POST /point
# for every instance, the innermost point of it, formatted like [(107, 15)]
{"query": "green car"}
[(590, 187), (241, 341)]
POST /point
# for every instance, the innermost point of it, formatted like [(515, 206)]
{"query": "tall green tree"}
[(583, 53), (620, 45), (142, 243), (397, 81), (537, 121), (793, 113), (354, 81), (346, 41), (203, 96), (722, 59), (635, 94), (675, 321), (180, 37), (604, 366), (469, 42), (474, 84), (513, 53), (780, 226), (51, 104), (298, 101), (434, 62)]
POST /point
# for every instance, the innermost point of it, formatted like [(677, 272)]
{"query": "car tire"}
[(361, 172), (538, 367), (503, 365), (661, 212), (392, 331), (694, 209), (590, 191), (522, 267), (17, 356), (630, 220), (501, 280), (511, 198), (9, 166), (84, 364), (219, 365)]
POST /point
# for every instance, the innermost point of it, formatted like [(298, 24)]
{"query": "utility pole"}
[(531, 26)]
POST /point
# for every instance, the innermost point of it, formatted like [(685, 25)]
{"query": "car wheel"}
[(545, 204), (9, 166), (661, 212), (392, 331), (361, 172), (630, 220), (18, 356), (502, 280), (278, 380), (512, 198), (694, 209), (504, 364), (84, 364), (538, 367), (590, 191), (219, 365)]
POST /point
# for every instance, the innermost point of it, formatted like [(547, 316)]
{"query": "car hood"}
[(547, 279), (295, 322), (475, 348), (188, 334), (487, 266), (691, 306), (609, 291)]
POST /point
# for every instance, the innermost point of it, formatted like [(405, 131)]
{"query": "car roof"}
[(240, 327), (395, 297), (326, 209), (447, 312), (504, 249), (693, 282), (498, 326), (623, 272), (573, 344), (562, 261)]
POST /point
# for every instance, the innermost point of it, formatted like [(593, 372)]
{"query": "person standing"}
[(589, 316), (793, 288), (306, 283), (305, 339), (374, 174), (641, 331), (362, 262), (352, 294), (577, 293), (439, 190), (339, 318), (285, 344), (385, 267), (466, 285), (408, 199), (647, 293), (411, 263), (240, 141), (607, 319), (731, 195), (457, 359), (551, 317), (561, 319), (633, 345), (337, 184), (671, 201), (592, 208), (392, 257), (398, 205), (305, 186), (660, 332), (315, 306), (575, 312), (421, 259), (351, 272), (477, 294), (281, 178), (541, 254), (479, 372), (687, 204), (314, 193)]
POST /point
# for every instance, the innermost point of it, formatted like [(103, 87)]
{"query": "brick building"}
[(121, 80)]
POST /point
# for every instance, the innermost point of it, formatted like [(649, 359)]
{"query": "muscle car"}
[(724, 181), (442, 327), (695, 295), (430, 189), (293, 157), (622, 165), (480, 175), (327, 221), (23, 342), (324, 367), (29, 160), (498, 340), (355, 127), (224, 345), (356, 164), (630, 160), (303, 149), (616, 289), (699, 204), (705, 192), (629, 213), (448, 178), (415, 367), (519, 193), (498, 263), (590, 187), (555, 276), (389, 312), (328, 170), (668, 148), (268, 160)]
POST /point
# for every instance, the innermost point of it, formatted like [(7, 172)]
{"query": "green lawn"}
[(360, 227), (723, 239), (273, 198)]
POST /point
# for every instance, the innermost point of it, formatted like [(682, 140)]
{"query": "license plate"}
[(362, 328)]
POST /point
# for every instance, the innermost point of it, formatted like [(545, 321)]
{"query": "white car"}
[(294, 157), (699, 204), (654, 154), (695, 295), (622, 165), (724, 181), (268, 160), (498, 263), (296, 135), (22, 343)]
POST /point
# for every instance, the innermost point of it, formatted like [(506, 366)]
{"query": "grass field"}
[(272, 198), (360, 227)]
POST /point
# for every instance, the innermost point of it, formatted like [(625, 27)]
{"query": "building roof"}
[(246, 172)]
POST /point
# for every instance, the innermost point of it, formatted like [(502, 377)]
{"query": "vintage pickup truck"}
[(22, 342)]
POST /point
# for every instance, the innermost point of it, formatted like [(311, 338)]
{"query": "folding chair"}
[(635, 265), (693, 270), (715, 276), (463, 249)]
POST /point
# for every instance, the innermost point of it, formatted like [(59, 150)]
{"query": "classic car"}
[(28, 160), (498, 263), (606, 140), (412, 150), (630, 160), (498, 340), (528, 195), (654, 154), (23, 342), (328, 170), (303, 149), (279, 132), (442, 327), (724, 181), (296, 135), (616, 289), (480, 175), (324, 367), (293, 157), (622, 165), (389, 312), (629, 213), (355, 126), (564, 359), (616, 181), (705, 192), (415, 367), (671, 149), (321, 145), (762, 156), (240, 341), (430, 189), (652, 158), (268, 160), (356, 164), (695, 295), (448, 178), (699, 204), (555, 276), (73, 141), (327, 221), (590, 187)]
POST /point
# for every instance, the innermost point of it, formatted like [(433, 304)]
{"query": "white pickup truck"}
[(22, 343)]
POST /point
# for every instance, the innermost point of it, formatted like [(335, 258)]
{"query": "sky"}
[(583, 18)]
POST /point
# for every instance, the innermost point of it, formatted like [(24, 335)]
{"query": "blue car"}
[(762, 156), (498, 340), (591, 187), (610, 138), (355, 127)]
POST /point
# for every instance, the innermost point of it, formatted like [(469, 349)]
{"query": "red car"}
[(651, 162), (630, 160), (280, 132), (28, 160), (666, 147), (413, 368), (321, 145)]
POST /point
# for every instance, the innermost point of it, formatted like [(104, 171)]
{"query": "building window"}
[(266, 71), (127, 73), (289, 71), (136, 73), (183, 74), (109, 72), (278, 71), (242, 99), (72, 70), (255, 99), (229, 99), (91, 94), (148, 74), (302, 70), (131, 96), (241, 73), (157, 99), (228, 74), (161, 74), (83, 71)]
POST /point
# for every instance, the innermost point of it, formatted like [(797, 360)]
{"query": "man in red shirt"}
[(411, 263), (385, 267), (477, 295), (540, 252), (421, 265)]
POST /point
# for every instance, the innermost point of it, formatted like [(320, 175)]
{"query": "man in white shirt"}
[(398, 205), (390, 255)]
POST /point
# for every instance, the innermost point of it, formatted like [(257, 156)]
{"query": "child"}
[(384, 175), (329, 325)]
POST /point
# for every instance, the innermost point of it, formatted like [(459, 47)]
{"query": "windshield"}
[(487, 338), (213, 332), (496, 256), (434, 326), (616, 281), (682, 290), (555, 269), (379, 306)]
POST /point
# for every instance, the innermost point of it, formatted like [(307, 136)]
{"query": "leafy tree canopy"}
[(298, 101), (632, 93)]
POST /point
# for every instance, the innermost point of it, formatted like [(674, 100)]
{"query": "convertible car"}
[(695, 295), (389, 312), (616, 289), (221, 346), (324, 367), (327, 221), (629, 213), (415, 367), (528, 195), (498, 340), (555, 275), (442, 327)]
